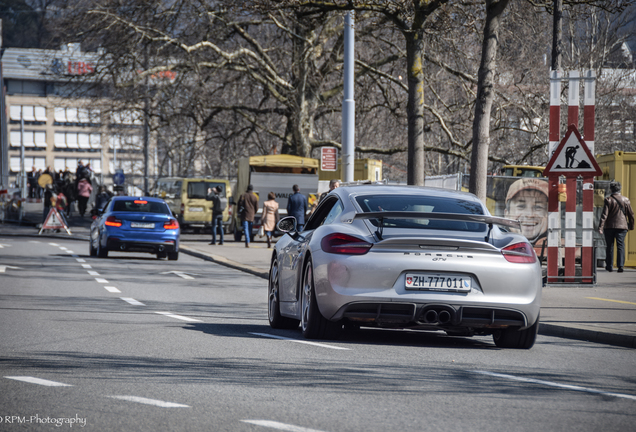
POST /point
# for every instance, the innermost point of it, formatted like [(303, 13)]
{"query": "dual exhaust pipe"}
[(438, 316)]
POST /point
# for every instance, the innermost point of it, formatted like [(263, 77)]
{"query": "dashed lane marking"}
[(112, 289), (93, 273), (80, 260), (280, 426), (101, 280), (554, 384), (54, 244), (132, 301), (39, 381), (300, 341), (609, 300), (86, 266), (179, 317), (155, 402)]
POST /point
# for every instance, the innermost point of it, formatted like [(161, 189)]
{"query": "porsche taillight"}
[(339, 243), (112, 221), (171, 224), (522, 253)]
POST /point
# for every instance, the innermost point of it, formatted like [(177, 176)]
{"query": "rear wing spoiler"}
[(489, 220)]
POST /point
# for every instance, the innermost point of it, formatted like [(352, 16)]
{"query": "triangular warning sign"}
[(572, 156), (54, 221)]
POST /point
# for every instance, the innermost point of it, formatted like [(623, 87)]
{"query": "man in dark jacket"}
[(616, 219), (248, 202), (297, 207), (217, 214)]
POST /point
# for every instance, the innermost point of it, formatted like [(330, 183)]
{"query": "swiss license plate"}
[(142, 225), (438, 282), (195, 209)]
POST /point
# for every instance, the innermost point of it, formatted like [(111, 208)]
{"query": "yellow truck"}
[(274, 173), (187, 200)]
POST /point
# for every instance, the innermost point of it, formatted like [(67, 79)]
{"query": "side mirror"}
[(287, 224)]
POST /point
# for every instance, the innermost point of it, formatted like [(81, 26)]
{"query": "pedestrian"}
[(297, 207), (32, 181), (49, 200), (219, 204), (84, 190), (333, 184), (100, 200), (248, 206), (270, 217), (616, 219)]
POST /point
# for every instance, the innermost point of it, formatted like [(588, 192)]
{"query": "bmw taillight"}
[(522, 253), (171, 224), (339, 243), (112, 221)]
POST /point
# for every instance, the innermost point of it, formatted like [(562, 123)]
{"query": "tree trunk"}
[(415, 109), (485, 96)]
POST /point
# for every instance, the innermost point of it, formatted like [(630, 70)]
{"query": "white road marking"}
[(54, 244), (101, 280), (86, 266), (154, 402), (39, 381), (179, 317), (112, 289), (554, 384), (300, 341), (69, 252), (4, 268), (132, 301), (280, 426), (81, 260), (92, 272), (63, 247), (184, 275), (4, 245)]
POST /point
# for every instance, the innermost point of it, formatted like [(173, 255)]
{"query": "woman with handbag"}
[(270, 217)]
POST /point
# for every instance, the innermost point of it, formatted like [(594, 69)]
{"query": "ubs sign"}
[(71, 67)]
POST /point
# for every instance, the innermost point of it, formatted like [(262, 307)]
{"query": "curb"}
[(584, 334), (226, 262)]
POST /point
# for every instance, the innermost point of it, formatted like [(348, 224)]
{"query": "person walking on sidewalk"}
[(218, 206), (248, 206), (84, 190), (270, 217), (616, 219), (297, 207)]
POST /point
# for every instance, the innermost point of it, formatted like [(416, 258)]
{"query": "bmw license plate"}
[(142, 225), (438, 282)]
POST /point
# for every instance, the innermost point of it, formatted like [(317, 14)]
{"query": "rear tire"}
[(91, 250), (102, 252), (517, 339), (173, 256), (161, 255), (313, 324), (276, 320)]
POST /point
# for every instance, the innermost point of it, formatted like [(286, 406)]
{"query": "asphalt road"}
[(133, 343)]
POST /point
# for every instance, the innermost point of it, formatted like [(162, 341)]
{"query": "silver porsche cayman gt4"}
[(405, 257)]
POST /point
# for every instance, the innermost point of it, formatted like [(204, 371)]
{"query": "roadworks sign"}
[(54, 221)]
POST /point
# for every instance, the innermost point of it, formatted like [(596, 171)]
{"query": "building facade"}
[(56, 116)]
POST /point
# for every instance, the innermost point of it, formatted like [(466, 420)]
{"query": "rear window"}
[(140, 206), (425, 204), (199, 190)]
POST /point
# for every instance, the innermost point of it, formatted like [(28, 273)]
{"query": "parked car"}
[(130, 224), (405, 257)]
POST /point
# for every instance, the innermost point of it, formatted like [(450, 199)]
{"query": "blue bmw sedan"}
[(135, 224)]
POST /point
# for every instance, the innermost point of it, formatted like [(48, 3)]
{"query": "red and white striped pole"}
[(588, 261), (554, 214)]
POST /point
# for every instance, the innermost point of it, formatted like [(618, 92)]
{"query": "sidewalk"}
[(604, 313)]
